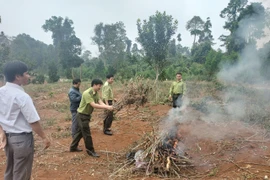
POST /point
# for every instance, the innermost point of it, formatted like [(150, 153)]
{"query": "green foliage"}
[(154, 36), (246, 23), (53, 73), (39, 79), (200, 51), (195, 26), (213, 60), (65, 41), (112, 41), (206, 34)]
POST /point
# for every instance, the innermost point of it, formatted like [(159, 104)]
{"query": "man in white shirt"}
[(18, 117)]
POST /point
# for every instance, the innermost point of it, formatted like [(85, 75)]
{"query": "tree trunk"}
[(72, 73), (157, 75), (81, 72), (194, 39), (155, 83)]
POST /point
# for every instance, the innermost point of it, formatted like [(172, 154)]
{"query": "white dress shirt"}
[(16, 109)]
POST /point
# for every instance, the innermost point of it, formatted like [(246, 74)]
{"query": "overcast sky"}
[(27, 16)]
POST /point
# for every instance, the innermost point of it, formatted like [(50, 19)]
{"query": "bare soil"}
[(221, 150)]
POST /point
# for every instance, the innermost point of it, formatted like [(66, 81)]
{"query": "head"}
[(178, 76), (76, 83), (96, 84), (110, 78), (16, 72)]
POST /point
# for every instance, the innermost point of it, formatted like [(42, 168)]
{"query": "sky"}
[(27, 16)]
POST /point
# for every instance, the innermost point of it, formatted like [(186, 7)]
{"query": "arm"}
[(37, 128), (101, 102), (101, 106), (171, 91), (3, 140), (74, 97)]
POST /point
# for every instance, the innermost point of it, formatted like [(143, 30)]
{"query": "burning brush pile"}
[(162, 154)]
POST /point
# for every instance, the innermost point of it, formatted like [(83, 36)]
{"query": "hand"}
[(170, 97), (47, 143), (114, 99), (3, 140), (110, 108)]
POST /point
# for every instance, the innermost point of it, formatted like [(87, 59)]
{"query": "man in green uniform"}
[(107, 96), (177, 91), (90, 100)]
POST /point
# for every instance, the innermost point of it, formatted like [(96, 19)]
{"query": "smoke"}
[(241, 98), (244, 79), (169, 124)]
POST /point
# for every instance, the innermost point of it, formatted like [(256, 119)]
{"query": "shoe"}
[(76, 150), (91, 153), (108, 132)]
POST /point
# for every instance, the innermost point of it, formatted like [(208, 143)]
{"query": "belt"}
[(177, 94), (18, 134)]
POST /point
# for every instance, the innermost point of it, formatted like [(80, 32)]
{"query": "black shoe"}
[(76, 150), (91, 153), (108, 132)]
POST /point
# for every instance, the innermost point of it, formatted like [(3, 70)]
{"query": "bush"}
[(39, 79), (53, 76)]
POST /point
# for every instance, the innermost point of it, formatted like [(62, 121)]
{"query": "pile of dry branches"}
[(157, 155), (136, 92)]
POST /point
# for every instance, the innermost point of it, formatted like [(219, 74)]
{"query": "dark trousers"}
[(108, 119), (177, 100), (20, 154), (83, 131), (74, 124)]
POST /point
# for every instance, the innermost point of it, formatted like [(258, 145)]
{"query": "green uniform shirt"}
[(178, 87), (88, 96), (107, 93)]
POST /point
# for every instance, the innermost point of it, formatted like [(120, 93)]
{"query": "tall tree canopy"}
[(65, 41), (155, 36), (195, 26), (112, 43)]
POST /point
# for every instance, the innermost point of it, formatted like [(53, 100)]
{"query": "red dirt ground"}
[(219, 150)]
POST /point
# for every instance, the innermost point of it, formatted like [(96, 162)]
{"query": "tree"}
[(53, 73), (231, 13), (65, 41), (206, 35), (200, 51), (245, 23), (112, 43), (195, 26), (172, 48), (213, 59), (252, 21), (154, 36)]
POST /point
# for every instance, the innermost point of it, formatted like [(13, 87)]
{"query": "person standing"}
[(177, 91), (90, 100), (107, 96), (18, 117), (75, 99)]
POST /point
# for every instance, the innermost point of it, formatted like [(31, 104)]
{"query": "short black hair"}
[(179, 73), (14, 68), (109, 76), (96, 82), (76, 81)]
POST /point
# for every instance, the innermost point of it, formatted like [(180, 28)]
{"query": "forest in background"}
[(157, 53)]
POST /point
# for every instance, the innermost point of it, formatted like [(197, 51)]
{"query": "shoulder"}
[(106, 84)]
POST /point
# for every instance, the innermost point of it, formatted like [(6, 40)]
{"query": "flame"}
[(175, 144)]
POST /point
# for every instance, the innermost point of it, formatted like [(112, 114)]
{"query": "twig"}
[(111, 152)]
